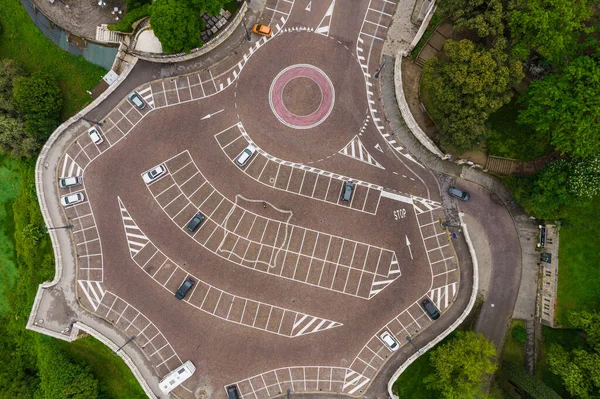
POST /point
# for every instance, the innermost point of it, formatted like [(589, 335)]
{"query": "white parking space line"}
[(382, 276), (323, 323)]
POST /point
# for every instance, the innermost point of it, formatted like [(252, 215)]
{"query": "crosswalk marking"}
[(357, 150), (93, 291), (70, 168), (135, 241), (325, 23), (444, 293)]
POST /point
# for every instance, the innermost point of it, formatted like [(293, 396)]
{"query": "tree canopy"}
[(176, 25), (466, 87), (39, 99), (484, 17), (579, 369), (567, 106), (549, 27), (462, 365)]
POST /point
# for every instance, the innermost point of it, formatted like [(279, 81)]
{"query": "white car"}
[(389, 340), (245, 156), (95, 135), (154, 173), (72, 199), (71, 181), (137, 100)]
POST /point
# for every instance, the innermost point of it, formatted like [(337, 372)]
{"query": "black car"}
[(431, 309), (347, 190), (185, 287), (195, 222), (232, 392), (458, 193)]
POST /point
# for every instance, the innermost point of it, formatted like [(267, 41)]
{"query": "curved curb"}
[(454, 325), (211, 45), (40, 166)]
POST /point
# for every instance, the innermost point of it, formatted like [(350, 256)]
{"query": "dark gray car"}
[(431, 309), (347, 190), (185, 287), (195, 222), (458, 193)]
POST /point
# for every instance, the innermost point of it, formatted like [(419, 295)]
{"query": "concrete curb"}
[(456, 323), (408, 117), (211, 45)]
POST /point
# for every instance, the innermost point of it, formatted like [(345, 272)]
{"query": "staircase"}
[(103, 34), (502, 166)]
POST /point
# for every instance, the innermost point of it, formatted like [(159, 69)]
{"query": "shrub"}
[(533, 387), (131, 16), (519, 334)]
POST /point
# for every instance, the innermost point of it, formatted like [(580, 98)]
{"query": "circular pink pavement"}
[(298, 121)]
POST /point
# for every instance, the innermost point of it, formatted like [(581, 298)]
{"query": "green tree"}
[(549, 27), (466, 86), (14, 139), (39, 100), (562, 182), (578, 370), (589, 322), (59, 378), (176, 24), (212, 7), (484, 17), (567, 106), (462, 366)]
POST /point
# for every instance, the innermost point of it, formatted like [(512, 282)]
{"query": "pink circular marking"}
[(306, 121)]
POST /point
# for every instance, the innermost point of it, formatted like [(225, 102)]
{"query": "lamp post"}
[(100, 124), (47, 229), (128, 341), (379, 70), (246, 29)]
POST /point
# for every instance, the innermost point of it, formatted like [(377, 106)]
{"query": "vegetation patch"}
[(509, 139), (23, 42), (10, 183), (578, 277), (434, 22), (131, 16)]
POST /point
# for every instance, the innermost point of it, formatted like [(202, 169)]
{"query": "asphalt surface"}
[(293, 285)]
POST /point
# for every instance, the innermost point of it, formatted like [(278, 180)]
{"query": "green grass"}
[(435, 21), (579, 264), (513, 351), (410, 383), (511, 140), (568, 339), (23, 42), (116, 379), (10, 183)]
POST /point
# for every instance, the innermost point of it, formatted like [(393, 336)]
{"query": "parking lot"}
[(293, 286)]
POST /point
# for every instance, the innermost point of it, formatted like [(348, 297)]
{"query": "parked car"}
[(432, 311), (154, 173), (262, 30), (72, 199), (71, 181), (136, 100), (95, 135), (347, 190), (232, 392), (245, 156), (389, 340), (185, 287), (195, 222), (458, 193)]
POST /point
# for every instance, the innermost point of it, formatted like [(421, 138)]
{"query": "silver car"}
[(154, 173), (137, 100), (389, 341), (95, 135), (71, 181), (72, 199), (245, 156)]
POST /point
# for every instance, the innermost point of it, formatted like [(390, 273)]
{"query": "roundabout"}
[(301, 96)]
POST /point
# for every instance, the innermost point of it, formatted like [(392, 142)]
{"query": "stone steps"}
[(503, 166), (103, 34)]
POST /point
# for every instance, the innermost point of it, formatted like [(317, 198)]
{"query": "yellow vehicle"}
[(262, 30)]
